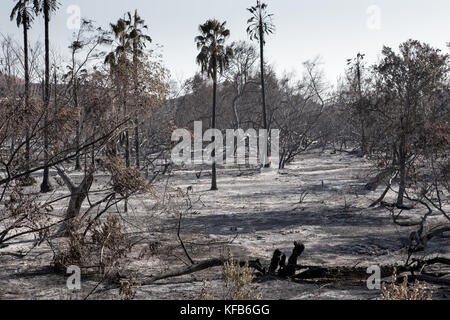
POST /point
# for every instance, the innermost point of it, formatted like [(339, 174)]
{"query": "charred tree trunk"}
[(263, 89), (287, 270), (136, 96), (263, 84), (77, 196), (27, 92), (316, 273), (402, 171), (214, 169), (46, 186), (199, 267), (79, 124), (361, 110)]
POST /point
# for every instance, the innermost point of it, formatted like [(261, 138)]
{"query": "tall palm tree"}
[(119, 62), (260, 25), (46, 7), (213, 58), (23, 12), (119, 53), (139, 40), (356, 69)]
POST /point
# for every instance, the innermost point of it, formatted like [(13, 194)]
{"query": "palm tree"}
[(24, 15), (213, 58), (259, 25), (119, 62), (46, 7), (119, 54), (357, 67), (139, 40)]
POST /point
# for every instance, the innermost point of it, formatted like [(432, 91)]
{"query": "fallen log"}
[(340, 272), (255, 264), (437, 232), (291, 269), (431, 279), (437, 260)]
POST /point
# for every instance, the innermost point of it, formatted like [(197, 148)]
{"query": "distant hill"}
[(8, 83)]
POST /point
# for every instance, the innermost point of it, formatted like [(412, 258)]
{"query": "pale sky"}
[(334, 29)]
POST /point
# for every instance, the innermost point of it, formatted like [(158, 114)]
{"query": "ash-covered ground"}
[(319, 199)]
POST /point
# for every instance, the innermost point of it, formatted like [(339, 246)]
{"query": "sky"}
[(335, 30)]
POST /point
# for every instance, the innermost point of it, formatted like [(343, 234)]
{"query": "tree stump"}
[(278, 262)]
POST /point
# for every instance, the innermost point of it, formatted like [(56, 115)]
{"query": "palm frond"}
[(260, 23), (23, 13), (213, 56)]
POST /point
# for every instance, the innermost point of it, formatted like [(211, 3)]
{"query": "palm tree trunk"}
[(127, 134), (263, 89), (361, 111), (46, 186), (78, 132), (124, 97), (55, 83), (127, 140), (27, 93), (136, 95), (127, 161), (136, 120), (214, 169), (263, 85)]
